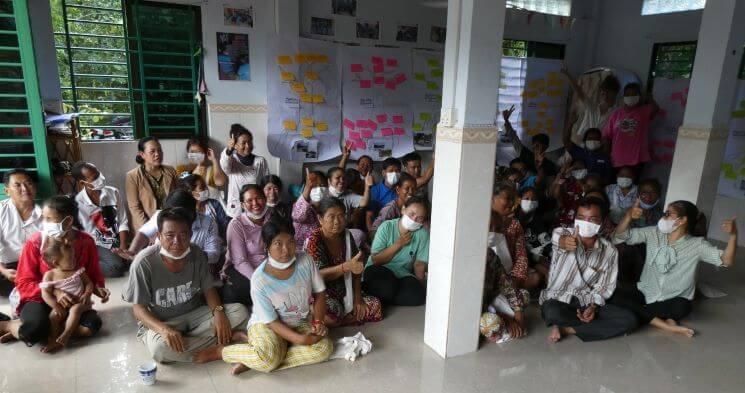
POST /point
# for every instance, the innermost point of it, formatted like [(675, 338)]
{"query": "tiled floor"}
[(646, 361)]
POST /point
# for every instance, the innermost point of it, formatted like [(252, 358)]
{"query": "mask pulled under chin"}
[(168, 255), (279, 265), (335, 192), (257, 216)]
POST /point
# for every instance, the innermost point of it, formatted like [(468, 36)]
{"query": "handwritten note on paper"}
[(365, 84), (378, 68), (400, 78), (362, 124), (366, 134), (307, 98), (298, 87), (307, 121), (390, 85), (287, 76), (359, 144), (387, 131), (382, 118), (284, 60), (379, 80), (354, 135), (306, 133), (372, 125), (398, 119), (399, 131), (322, 126), (318, 99), (356, 68), (311, 75), (348, 124), (289, 125)]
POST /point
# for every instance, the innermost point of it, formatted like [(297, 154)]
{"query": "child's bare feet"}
[(51, 347), (555, 335), (239, 336), (64, 338), (238, 368), (208, 355)]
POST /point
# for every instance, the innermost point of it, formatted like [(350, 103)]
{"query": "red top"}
[(31, 266)]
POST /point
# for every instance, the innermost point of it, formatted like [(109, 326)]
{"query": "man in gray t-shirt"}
[(174, 296)]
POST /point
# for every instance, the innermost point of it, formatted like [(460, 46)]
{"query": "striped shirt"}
[(588, 275), (670, 271)]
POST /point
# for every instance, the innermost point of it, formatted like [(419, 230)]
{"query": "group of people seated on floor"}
[(578, 232)]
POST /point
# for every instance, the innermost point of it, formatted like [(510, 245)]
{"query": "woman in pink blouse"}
[(246, 250), (304, 216)]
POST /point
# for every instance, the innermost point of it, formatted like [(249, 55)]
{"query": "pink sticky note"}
[(390, 85), (400, 78), (398, 131), (365, 84), (382, 118), (367, 134), (398, 119), (356, 68), (354, 135), (360, 144), (349, 124), (379, 80), (391, 62), (372, 125), (377, 60), (387, 131), (361, 123), (378, 68)]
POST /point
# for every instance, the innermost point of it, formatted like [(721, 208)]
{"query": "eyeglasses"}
[(668, 213)]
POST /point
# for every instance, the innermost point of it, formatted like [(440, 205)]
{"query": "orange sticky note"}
[(306, 98), (322, 59), (300, 58), (322, 126), (284, 60), (318, 99), (307, 121), (287, 76), (289, 125), (311, 75), (298, 87), (306, 133)]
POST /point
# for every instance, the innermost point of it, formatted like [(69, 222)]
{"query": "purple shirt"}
[(388, 212), (305, 221), (246, 250)]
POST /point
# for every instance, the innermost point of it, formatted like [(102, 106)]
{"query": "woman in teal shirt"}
[(664, 293), (395, 271)]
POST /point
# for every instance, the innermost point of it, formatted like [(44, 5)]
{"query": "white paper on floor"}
[(709, 291), (350, 348)]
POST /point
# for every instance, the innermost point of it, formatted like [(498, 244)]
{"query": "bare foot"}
[(208, 355), (688, 332), (64, 338), (555, 335), (238, 368), (239, 336), (671, 322), (51, 347), (7, 337)]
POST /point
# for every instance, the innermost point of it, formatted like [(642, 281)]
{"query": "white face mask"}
[(593, 144), (203, 195), (528, 206), (99, 183), (491, 239), (279, 265), (624, 182), (54, 229), (409, 224), (666, 226), (271, 204), (586, 228), (631, 100), (647, 206), (168, 255), (335, 192), (392, 178), (579, 174), (195, 158), (318, 193), (257, 216)]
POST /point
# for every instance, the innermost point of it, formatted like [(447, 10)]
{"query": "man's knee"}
[(237, 315), (551, 312)]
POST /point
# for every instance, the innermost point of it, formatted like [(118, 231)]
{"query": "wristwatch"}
[(218, 308)]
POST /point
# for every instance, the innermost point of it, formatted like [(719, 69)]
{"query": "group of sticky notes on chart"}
[(378, 65), (302, 58), (307, 124)]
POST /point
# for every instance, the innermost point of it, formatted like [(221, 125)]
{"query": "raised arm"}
[(345, 157), (369, 183), (218, 176), (576, 88), (730, 227), (423, 180), (517, 144)]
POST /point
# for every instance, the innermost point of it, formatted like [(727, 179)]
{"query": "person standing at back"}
[(241, 165)]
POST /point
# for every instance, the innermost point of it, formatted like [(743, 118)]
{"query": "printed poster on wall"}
[(671, 95), (544, 101), (427, 75), (377, 113), (304, 102), (732, 172)]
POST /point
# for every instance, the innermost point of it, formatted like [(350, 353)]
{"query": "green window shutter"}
[(23, 139), (166, 39), (673, 60), (523, 49)]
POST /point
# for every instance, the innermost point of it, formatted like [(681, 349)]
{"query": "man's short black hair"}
[(413, 156), (542, 139), (588, 202), (390, 161), (16, 171), (174, 214)]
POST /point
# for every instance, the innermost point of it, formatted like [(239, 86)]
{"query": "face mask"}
[(392, 178), (279, 265), (409, 224), (257, 216), (528, 206), (593, 145), (647, 206), (318, 193), (99, 183), (271, 204), (666, 226), (168, 255), (203, 195), (579, 174), (195, 158), (631, 101), (491, 239), (624, 182), (586, 228), (54, 229), (334, 192)]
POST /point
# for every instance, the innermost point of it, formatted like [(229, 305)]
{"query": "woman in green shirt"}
[(664, 293), (395, 271)]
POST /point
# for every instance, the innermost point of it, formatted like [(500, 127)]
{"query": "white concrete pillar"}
[(703, 135), (464, 172)]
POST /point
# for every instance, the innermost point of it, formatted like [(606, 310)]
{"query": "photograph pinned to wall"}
[(303, 99), (368, 30), (233, 57), (321, 26), (344, 7), (243, 17), (407, 33), (427, 99), (437, 35)]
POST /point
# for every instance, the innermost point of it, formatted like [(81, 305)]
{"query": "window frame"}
[(536, 49), (656, 48)]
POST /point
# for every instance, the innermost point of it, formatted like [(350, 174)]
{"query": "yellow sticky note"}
[(318, 99), (289, 125), (554, 93), (298, 87), (322, 59), (306, 98), (287, 76), (284, 60), (300, 58), (417, 127), (311, 75), (307, 121), (322, 126), (306, 133)]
